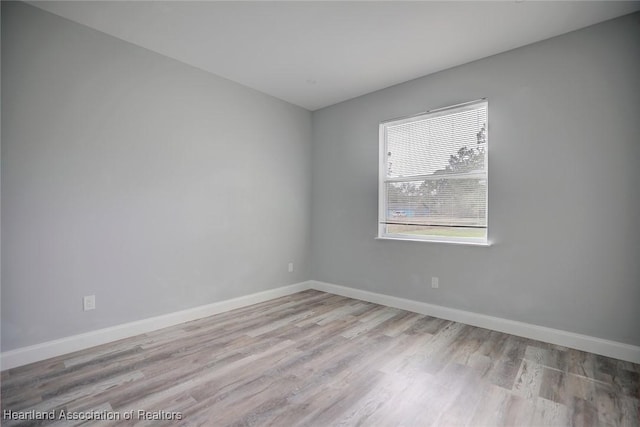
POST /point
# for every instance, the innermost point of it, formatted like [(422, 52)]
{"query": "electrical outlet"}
[(290, 267), (435, 282), (89, 302)]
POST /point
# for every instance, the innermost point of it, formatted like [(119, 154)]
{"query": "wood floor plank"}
[(529, 380), (400, 323), (549, 413), (466, 393), (581, 363), (499, 407), (582, 413), (553, 386), (503, 372), (315, 359)]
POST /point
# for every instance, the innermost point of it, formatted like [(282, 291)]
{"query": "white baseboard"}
[(35, 353), (46, 350), (595, 345)]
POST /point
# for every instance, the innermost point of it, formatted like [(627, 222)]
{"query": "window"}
[(433, 176)]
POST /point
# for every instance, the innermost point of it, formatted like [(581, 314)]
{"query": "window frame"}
[(383, 179)]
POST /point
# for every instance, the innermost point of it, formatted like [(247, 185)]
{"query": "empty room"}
[(320, 213)]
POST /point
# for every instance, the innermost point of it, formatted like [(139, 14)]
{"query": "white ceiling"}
[(315, 54)]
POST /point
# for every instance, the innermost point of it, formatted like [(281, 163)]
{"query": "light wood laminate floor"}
[(316, 359)]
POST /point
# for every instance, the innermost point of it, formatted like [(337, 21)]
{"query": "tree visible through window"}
[(433, 183)]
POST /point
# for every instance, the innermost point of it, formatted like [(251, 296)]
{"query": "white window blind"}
[(433, 175)]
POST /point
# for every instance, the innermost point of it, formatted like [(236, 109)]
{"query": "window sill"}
[(449, 242)]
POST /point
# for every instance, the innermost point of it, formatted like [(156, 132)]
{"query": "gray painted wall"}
[(159, 187), (564, 197), (151, 184)]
